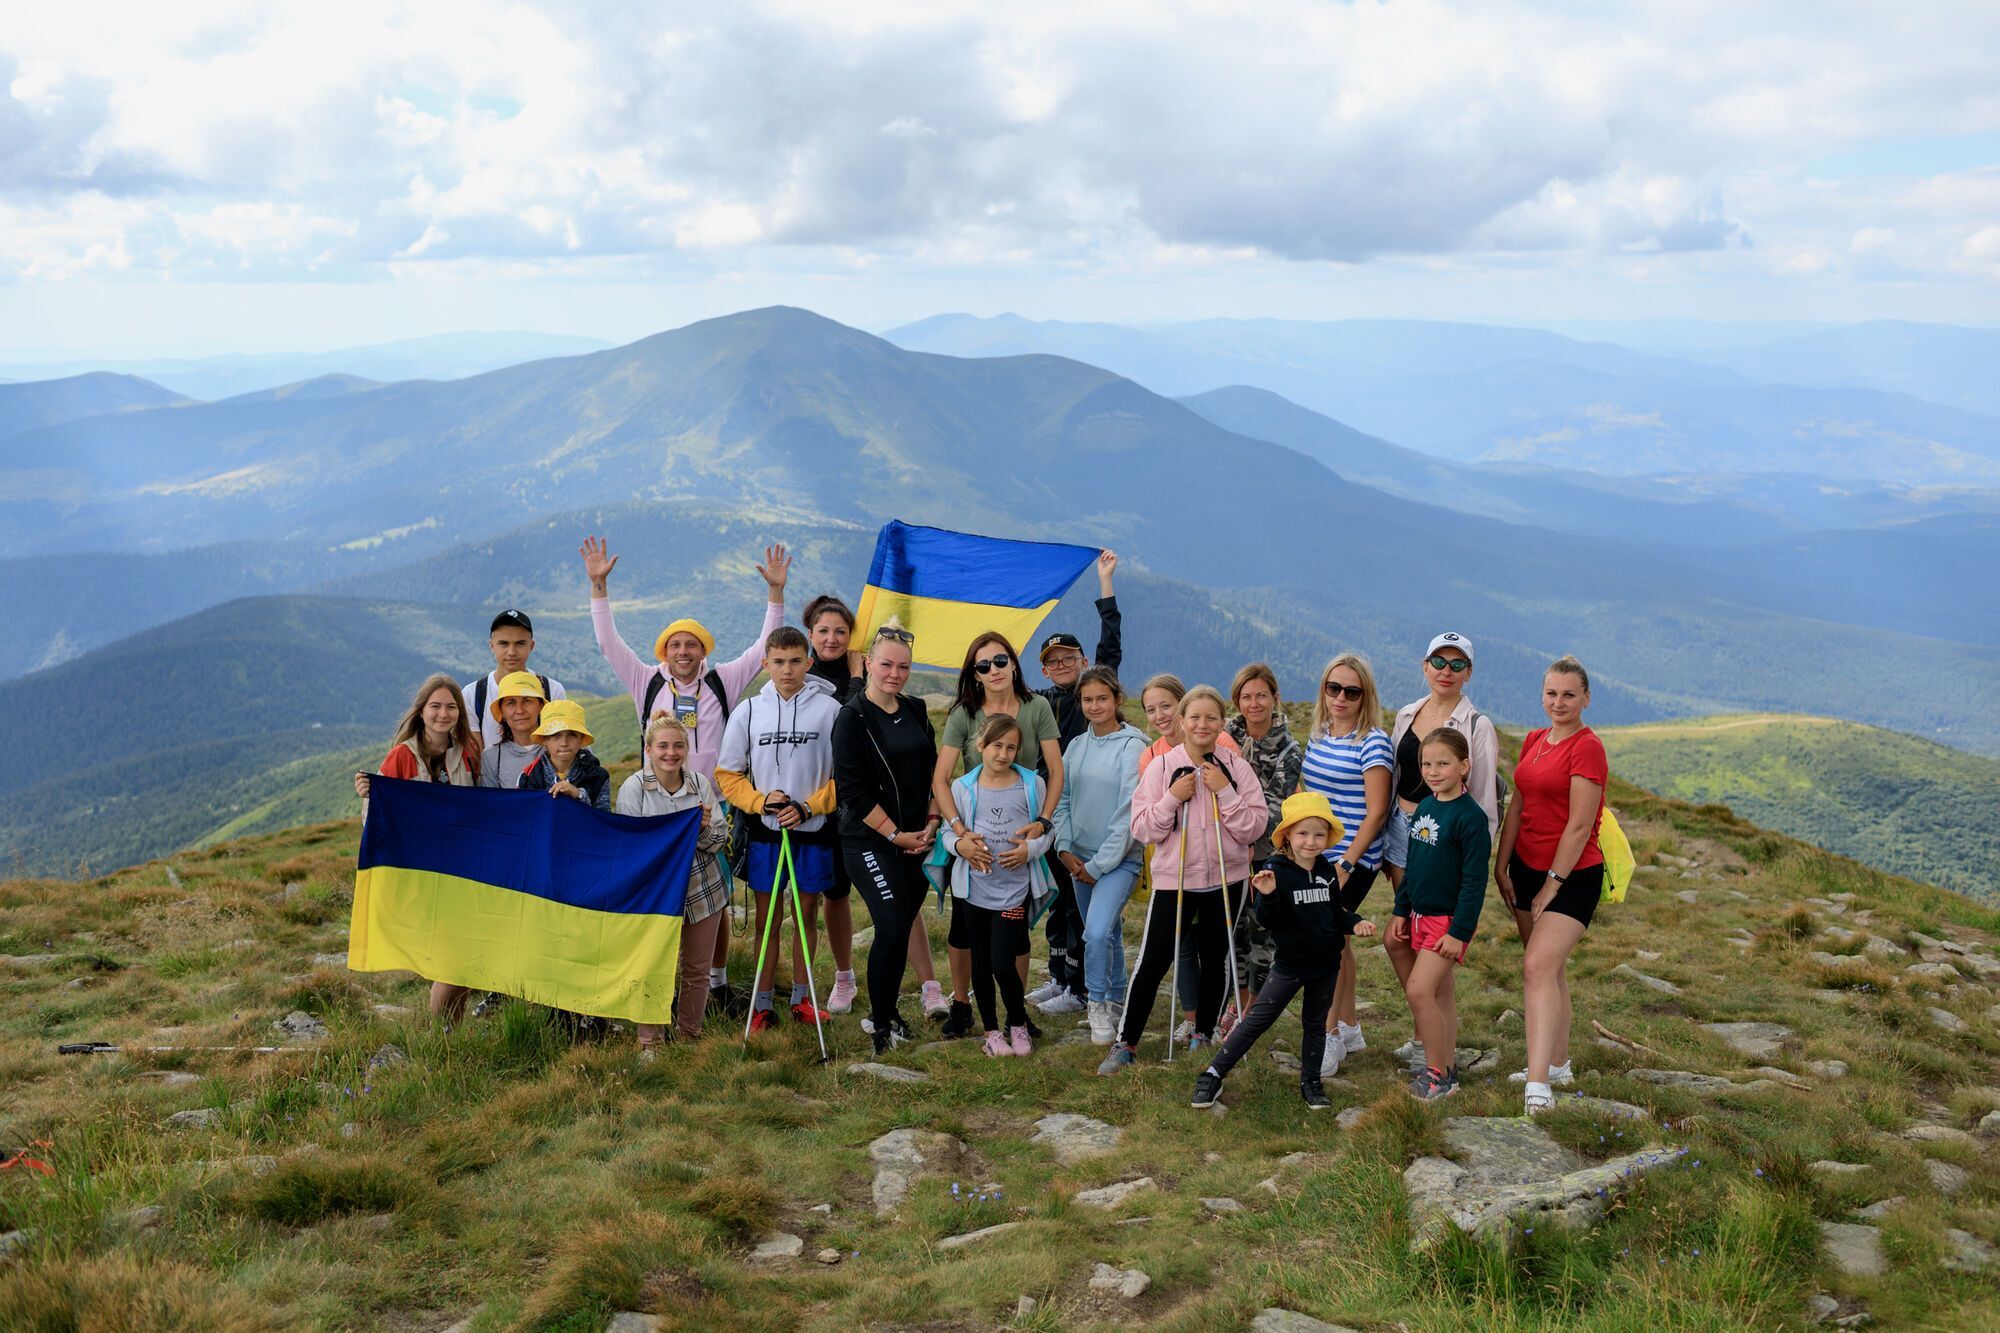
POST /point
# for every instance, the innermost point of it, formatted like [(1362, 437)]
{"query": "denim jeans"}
[(1103, 907)]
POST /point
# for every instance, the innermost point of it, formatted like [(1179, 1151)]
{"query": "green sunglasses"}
[(1439, 662)]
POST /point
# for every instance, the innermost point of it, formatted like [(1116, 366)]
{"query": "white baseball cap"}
[(1450, 640)]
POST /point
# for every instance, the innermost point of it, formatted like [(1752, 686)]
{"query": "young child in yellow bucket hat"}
[(1298, 901), (517, 705), (566, 767)]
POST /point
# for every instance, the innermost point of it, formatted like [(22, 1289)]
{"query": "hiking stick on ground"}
[(1180, 899), (1228, 918)]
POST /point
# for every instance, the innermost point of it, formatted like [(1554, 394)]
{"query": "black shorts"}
[(843, 883), (1576, 897), (1357, 886), (958, 928)]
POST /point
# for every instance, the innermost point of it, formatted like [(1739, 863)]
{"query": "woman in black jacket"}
[(883, 754)]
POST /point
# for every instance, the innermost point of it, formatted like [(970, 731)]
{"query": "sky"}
[(209, 176)]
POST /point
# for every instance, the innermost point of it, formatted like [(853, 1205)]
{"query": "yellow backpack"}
[(1618, 860)]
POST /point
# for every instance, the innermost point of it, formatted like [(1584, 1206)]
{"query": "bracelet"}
[(1560, 879)]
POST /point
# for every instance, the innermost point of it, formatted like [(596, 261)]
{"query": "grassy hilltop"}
[(496, 1175)]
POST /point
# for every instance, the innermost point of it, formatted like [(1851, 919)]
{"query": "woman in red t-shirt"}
[(1548, 868)]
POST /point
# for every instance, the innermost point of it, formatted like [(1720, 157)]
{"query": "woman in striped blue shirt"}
[(1350, 762)]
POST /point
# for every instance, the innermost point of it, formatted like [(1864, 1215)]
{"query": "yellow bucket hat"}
[(516, 685), (562, 715), (685, 625), (1307, 805)]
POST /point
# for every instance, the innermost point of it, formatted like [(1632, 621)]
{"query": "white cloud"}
[(375, 138)]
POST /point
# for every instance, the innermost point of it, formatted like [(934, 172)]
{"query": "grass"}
[(501, 1171)]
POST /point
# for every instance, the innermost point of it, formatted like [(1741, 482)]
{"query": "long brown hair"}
[(972, 694), (411, 728)]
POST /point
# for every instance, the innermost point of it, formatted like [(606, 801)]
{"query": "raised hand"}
[(1264, 881), (775, 570), (1107, 564), (598, 562)]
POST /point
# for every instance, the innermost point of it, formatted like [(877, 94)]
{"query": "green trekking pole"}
[(764, 939), (786, 868)]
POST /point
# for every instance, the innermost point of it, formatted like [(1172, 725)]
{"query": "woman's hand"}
[(1366, 929), (1451, 947), (1546, 896), (1182, 787), (361, 785), (1264, 881), (1503, 879), (1016, 856), (1213, 777), (910, 840), (1399, 930), (972, 850)]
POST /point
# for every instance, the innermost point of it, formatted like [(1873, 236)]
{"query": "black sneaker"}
[(959, 1022), (489, 1005), (1034, 1032), (728, 1001), (887, 1041), (1206, 1089), (1314, 1095)]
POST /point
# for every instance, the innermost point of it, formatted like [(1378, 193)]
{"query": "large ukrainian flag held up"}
[(524, 894), (948, 588)]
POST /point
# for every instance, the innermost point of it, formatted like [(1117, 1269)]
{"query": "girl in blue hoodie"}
[(1093, 839)]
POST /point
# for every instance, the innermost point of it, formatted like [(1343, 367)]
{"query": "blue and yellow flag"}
[(948, 588), (523, 894)]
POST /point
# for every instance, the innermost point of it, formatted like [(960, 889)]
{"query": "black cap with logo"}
[(1055, 641), (510, 616)]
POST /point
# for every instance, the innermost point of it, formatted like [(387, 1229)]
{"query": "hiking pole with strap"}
[(1228, 912), (771, 911), (1180, 901), (785, 867)]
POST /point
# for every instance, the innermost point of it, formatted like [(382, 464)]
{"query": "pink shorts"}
[(1426, 931)]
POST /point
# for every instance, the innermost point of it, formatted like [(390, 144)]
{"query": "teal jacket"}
[(946, 868)]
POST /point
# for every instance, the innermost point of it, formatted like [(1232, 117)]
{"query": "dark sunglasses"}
[(895, 635), (1333, 689), (986, 664), (1439, 662)]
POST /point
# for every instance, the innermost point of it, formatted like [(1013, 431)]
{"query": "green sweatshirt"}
[(1449, 852)]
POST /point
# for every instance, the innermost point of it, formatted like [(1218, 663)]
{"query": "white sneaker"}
[(1047, 990), (1329, 1063), (1102, 1029), (1062, 1002), (1560, 1076), (1185, 1030), (1539, 1099), (841, 1000), (1351, 1039)]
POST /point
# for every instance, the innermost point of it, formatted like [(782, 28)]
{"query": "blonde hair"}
[(665, 722), (1370, 711), (1170, 683), (1569, 666), (1198, 693)]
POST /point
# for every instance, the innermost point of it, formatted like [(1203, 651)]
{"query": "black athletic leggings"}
[(996, 940), (892, 883), (1279, 988), (1203, 918)]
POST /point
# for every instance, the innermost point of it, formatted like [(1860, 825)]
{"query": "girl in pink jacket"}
[(1182, 795)]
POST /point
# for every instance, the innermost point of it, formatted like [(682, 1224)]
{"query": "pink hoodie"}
[(635, 674), (1156, 817)]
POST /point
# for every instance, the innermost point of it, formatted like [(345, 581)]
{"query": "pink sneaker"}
[(841, 1001), (1017, 1038), (996, 1043)]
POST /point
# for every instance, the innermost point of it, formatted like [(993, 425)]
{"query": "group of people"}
[(1044, 806)]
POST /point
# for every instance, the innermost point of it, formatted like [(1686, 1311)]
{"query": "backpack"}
[(479, 695), (736, 856), (1502, 791), (1619, 863), (659, 682)]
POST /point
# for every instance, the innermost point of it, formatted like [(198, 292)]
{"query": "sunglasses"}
[(993, 663), (895, 635), (1439, 662), (1337, 690)]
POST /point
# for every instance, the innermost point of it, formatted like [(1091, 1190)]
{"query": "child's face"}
[(1202, 722), (1256, 702), (522, 716), (440, 712), (562, 748), (511, 645), (787, 667), (1308, 838), (668, 751), (1099, 704), (1442, 770), (1000, 753), (1159, 706)]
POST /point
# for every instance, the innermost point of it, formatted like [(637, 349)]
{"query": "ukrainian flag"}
[(524, 894), (948, 588)]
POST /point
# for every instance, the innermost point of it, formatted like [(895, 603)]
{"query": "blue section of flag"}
[(530, 842), (959, 567)]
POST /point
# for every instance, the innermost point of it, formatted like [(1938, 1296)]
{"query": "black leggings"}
[(1278, 991), (892, 883), (1203, 919), (996, 940)]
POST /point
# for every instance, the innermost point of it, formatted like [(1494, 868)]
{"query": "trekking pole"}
[(786, 867), (1180, 898), (1228, 912), (133, 1048), (771, 911)]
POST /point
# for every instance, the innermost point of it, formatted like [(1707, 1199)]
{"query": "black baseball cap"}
[(518, 619), (1055, 641)]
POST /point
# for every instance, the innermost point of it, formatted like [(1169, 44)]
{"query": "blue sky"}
[(222, 176)]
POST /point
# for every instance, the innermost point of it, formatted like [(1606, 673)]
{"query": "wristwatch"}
[(1560, 879), (1345, 866)]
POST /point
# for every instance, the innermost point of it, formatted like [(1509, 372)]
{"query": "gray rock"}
[(1630, 973), (1946, 1019), (1838, 962), (828, 1256), (1689, 896), (1295, 1159), (1759, 1041), (1350, 1117), (1927, 941), (202, 1117), (1508, 1019), (1648, 955), (329, 960), (1878, 947), (1855, 1250), (974, 1237), (1939, 972), (387, 1057), (1881, 1208), (1274, 1320), (1702, 1085), (1480, 1198), (393, 1010), (1969, 1254), (1269, 1184), (1821, 1307), (889, 1073), (1222, 1205), (299, 1025), (1940, 1134), (1075, 1138), (172, 1078), (1111, 1196), (1947, 1179), (1470, 1058), (350, 1130), (1286, 1061), (1604, 1106), (1838, 934), (14, 1243), (144, 1218), (631, 1321), (1497, 1152), (1827, 1068), (901, 1155), (778, 1246), (1989, 1125), (30, 959), (1126, 1283), (1025, 1308), (1830, 1168)]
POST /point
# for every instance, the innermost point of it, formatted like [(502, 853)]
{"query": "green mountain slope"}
[(1893, 801)]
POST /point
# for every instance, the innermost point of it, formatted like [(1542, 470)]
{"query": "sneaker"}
[(1351, 1039), (888, 1041), (1330, 1057), (1102, 1030), (1197, 1041), (996, 1043), (1048, 990), (1185, 1030), (489, 1005), (897, 1026), (1064, 1001), (841, 1000), (729, 1001), (1117, 1059), (1560, 1076), (1034, 1031), (1314, 1095), (1017, 1037), (764, 1020), (803, 1012), (1206, 1089), (1538, 1101), (1431, 1084), (936, 1007), (958, 1021)]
